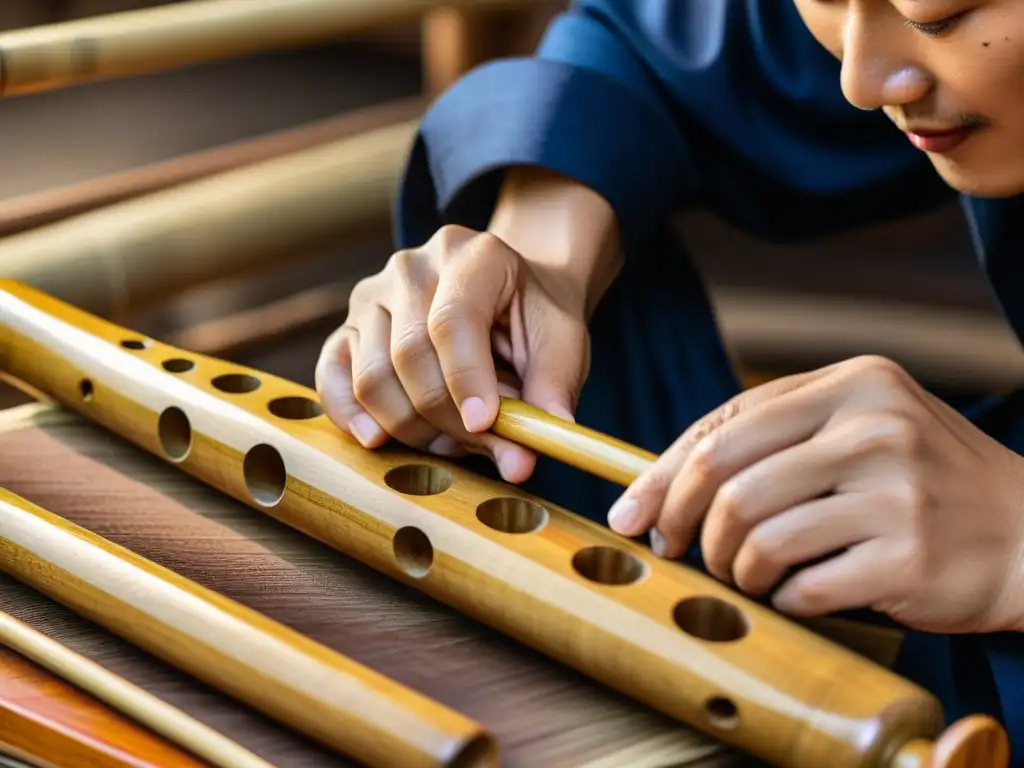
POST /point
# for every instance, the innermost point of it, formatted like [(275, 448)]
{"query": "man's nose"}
[(876, 72)]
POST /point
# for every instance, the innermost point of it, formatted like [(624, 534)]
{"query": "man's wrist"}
[(567, 232)]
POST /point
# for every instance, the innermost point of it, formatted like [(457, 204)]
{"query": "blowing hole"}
[(475, 754), (295, 408), (236, 383), (709, 618), (512, 515), (419, 479), (413, 551), (264, 474), (178, 365), (86, 389), (608, 565), (135, 343), (175, 433)]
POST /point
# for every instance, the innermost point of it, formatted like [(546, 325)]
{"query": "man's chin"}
[(982, 180)]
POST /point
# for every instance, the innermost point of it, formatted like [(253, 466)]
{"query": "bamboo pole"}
[(131, 43), (37, 209), (321, 693), (135, 253), (131, 700)]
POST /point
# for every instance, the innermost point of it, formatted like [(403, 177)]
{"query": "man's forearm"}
[(562, 228)]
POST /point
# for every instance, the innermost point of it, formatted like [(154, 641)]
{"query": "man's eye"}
[(935, 28)]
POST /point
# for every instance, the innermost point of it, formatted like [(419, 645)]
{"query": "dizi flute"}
[(234, 649), (655, 630)]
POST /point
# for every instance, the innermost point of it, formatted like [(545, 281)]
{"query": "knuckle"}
[(449, 238), (363, 292), (370, 377), (402, 262), (914, 498), (879, 370), (892, 433), (765, 552), (706, 458), (411, 344), (445, 318), (735, 502), (431, 400)]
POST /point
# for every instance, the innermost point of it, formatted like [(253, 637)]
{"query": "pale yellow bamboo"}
[(135, 42), (134, 253)]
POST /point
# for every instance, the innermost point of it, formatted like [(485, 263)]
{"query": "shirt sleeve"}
[(660, 104), (585, 106)]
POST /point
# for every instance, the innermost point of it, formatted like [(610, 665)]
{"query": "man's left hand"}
[(917, 512)]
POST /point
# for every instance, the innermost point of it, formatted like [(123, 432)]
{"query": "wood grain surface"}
[(543, 713)]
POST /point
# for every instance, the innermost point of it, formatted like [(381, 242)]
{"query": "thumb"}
[(557, 361)]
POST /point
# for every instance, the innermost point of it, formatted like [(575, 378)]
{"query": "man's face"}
[(949, 73)]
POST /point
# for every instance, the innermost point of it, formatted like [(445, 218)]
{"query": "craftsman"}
[(534, 226)]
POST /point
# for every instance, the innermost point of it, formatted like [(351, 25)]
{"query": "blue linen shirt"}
[(731, 105)]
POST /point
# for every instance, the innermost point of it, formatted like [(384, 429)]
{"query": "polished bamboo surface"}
[(542, 712), (47, 721), (129, 699), (235, 649), (973, 741), (147, 40), (661, 633)]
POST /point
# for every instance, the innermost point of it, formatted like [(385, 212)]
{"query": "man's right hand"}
[(415, 358)]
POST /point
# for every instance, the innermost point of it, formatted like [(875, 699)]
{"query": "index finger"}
[(333, 381), (471, 293), (680, 486)]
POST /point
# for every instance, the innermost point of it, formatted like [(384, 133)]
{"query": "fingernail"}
[(622, 515), (508, 465), (474, 414), (365, 428), (783, 602), (657, 543), (444, 445)]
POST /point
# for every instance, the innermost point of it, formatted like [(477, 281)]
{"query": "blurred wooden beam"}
[(946, 346), (457, 38), (770, 333), (26, 212), (172, 35)]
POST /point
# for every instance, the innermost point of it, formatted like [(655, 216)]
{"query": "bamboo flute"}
[(137, 252), (137, 42), (671, 637), (284, 674)]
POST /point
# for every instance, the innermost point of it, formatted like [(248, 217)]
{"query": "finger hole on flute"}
[(413, 551), (419, 479), (178, 365), (608, 565), (509, 514), (265, 474), (711, 619), (236, 383), (175, 432), (295, 408)]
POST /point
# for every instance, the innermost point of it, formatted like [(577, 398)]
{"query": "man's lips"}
[(938, 141)]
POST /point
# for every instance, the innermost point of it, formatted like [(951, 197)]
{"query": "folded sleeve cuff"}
[(570, 119)]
